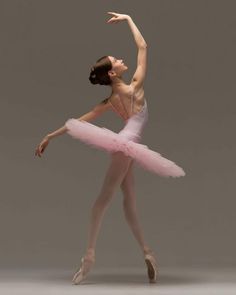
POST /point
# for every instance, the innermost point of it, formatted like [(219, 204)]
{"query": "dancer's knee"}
[(100, 204), (127, 184)]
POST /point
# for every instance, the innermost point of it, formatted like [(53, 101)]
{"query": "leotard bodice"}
[(134, 125)]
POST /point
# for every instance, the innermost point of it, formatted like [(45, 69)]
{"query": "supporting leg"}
[(130, 210)]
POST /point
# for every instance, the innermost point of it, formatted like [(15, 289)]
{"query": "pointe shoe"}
[(152, 269), (82, 272)]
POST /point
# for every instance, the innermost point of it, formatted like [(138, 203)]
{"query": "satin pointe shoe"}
[(152, 269), (81, 273)]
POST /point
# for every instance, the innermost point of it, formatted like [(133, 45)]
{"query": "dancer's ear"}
[(112, 74)]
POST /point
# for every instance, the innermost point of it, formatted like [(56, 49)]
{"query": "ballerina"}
[(129, 102)]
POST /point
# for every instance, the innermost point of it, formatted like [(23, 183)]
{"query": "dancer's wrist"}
[(128, 17)]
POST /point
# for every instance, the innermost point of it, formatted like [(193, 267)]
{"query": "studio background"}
[(47, 49)]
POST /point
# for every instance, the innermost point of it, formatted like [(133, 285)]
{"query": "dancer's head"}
[(106, 69)]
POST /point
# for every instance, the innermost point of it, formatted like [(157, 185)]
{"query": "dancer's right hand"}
[(41, 147), (117, 17)]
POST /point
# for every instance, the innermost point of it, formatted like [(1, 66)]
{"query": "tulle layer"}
[(109, 141)]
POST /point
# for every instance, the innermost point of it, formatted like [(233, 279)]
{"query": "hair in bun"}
[(99, 72), (93, 79)]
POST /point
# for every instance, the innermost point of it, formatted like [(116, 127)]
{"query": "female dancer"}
[(128, 101)]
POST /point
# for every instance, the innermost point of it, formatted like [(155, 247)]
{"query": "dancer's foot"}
[(86, 264), (151, 263)]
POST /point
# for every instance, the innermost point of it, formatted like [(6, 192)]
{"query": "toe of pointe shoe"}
[(81, 274), (151, 268), (78, 278)]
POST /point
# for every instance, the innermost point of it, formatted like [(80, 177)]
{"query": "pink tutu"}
[(126, 141)]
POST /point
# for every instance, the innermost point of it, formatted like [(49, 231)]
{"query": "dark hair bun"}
[(92, 77), (99, 72)]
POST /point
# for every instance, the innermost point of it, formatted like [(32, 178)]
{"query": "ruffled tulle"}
[(109, 141)]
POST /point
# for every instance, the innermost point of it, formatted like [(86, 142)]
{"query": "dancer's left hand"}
[(41, 147), (117, 17)]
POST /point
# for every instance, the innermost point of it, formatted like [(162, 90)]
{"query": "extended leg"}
[(130, 208)]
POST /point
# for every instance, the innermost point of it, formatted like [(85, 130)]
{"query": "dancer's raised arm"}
[(139, 75), (140, 42)]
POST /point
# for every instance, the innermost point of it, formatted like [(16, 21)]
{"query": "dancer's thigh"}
[(118, 168)]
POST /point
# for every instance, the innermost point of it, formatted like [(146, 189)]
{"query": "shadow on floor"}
[(119, 278)]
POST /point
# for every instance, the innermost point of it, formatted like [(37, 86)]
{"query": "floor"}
[(121, 281)]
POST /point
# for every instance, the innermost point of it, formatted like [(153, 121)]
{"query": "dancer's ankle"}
[(147, 250), (90, 252)]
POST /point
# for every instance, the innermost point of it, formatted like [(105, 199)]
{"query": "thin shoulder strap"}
[(132, 99), (116, 110)]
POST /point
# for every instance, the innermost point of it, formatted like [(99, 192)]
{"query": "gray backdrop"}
[(47, 49)]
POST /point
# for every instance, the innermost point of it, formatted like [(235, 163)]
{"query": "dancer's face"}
[(118, 66)]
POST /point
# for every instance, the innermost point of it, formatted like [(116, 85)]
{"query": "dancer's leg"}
[(130, 208), (114, 176)]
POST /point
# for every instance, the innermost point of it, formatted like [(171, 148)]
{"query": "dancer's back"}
[(128, 101)]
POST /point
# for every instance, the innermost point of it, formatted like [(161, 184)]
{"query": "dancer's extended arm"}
[(90, 116), (94, 113)]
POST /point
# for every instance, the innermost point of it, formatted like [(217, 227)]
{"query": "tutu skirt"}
[(127, 141)]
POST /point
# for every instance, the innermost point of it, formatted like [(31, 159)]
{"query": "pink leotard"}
[(134, 125)]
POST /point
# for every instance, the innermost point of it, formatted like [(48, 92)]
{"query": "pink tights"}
[(119, 173)]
